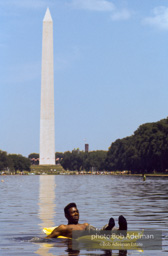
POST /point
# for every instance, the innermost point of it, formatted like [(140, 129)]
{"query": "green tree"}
[(34, 158), (145, 151), (95, 159), (3, 160), (33, 155), (19, 162)]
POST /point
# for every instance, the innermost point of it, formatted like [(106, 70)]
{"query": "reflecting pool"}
[(30, 203)]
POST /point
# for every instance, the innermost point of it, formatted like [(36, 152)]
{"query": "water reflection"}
[(47, 214), (47, 200), (99, 252), (46, 208), (26, 208)]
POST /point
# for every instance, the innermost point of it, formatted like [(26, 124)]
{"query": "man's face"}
[(73, 215)]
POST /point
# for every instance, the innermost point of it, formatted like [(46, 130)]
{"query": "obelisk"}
[(47, 129)]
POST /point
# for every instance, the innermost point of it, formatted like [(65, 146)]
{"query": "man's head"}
[(71, 213)]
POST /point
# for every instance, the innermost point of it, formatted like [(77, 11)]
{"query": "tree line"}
[(143, 152), (77, 160), (14, 162)]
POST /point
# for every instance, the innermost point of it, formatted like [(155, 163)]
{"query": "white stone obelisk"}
[(47, 129)]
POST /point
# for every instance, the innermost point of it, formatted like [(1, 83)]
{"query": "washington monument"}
[(47, 129)]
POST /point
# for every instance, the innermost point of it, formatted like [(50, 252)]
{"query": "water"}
[(29, 203)]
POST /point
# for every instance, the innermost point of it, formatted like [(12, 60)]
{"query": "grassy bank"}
[(46, 169), (58, 169)]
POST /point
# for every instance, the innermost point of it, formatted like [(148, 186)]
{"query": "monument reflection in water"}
[(46, 208), (47, 214)]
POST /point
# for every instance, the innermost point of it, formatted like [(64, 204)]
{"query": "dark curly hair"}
[(68, 207)]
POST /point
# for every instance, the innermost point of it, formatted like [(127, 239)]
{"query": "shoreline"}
[(78, 173)]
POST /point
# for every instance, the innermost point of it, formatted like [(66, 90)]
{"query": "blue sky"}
[(110, 70)]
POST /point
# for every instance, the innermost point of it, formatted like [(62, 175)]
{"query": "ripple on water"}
[(32, 202)]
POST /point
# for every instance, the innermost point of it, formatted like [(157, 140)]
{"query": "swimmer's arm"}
[(59, 231)]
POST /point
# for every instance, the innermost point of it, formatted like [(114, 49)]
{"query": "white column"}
[(47, 129)]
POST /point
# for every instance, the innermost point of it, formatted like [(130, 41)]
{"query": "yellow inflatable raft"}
[(49, 230)]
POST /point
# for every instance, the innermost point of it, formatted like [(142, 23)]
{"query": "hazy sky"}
[(110, 70)]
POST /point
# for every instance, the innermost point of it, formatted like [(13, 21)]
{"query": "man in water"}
[(72, 215)]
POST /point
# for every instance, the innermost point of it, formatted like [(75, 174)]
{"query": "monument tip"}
[(47, 16)]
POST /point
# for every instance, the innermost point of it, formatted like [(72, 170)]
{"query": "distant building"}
[(86, 147)]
